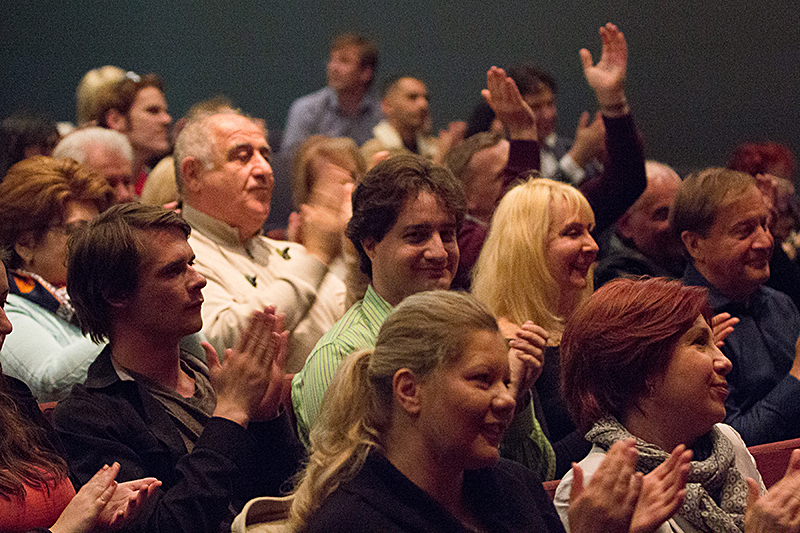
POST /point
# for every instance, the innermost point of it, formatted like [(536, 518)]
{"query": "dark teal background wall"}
[(703, 75)]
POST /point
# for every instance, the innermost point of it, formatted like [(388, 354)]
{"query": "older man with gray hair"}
[(225, 180), (106, 152)]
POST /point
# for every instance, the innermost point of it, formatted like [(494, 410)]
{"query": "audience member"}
[(409, 434), (35, 488), (106, 152), (42, 202), (406, 212), (623, 178), (641, 363), (404, 101), (346, 107), (226, 181), (323, 173), (641, 242), (161, 187), (540, 238), (90, 86), (209, 432), (25, 135), (772, 165), (136, 107), (561, 158), (721, 218)]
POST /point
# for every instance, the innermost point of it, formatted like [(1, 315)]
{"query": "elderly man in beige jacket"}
[(225, 180)]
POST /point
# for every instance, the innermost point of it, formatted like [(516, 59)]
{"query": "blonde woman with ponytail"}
[(408, 437)]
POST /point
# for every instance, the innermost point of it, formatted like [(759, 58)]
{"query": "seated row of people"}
[(162, 410)]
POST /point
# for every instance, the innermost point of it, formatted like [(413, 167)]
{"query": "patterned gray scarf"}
[(716, 492)]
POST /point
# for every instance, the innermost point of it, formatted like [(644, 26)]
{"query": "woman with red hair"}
[(639, 360)]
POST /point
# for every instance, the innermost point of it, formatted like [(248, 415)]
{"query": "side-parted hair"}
[(105, 260), (367, 49), (121, 95), (424, 333), (621, 340), (702, 194), (458, 158), (511, 275), (86, 95), (384, 191), (78, 144), (341, 151), (35, 194)]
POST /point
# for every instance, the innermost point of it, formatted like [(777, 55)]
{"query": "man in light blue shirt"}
[(346, 107)]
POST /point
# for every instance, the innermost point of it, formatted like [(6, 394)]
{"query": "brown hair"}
[(105, 260), (702, 194), (620, 340), (341, 151), (35, 194), (121, 95), (382, 194), (459, 157), (25, 457), (367, 49)]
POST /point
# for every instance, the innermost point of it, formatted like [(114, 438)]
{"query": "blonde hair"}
[(90, 86), (340, 151), (426, 331), (511, 275)]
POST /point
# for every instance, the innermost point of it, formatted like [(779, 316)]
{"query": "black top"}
[(505, 497), (107, 419)]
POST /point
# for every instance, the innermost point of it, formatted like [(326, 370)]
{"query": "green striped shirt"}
[(356, 330)]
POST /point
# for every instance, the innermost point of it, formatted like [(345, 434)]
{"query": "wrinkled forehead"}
[(740, 202), (231, 130)]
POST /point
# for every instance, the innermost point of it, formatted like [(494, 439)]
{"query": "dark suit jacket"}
[(107, 419)]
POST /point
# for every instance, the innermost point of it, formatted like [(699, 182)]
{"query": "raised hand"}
[(590, 139), (324, 217), (722, 324), (607, 77), (663, 491), (503, 97), (608, 502)]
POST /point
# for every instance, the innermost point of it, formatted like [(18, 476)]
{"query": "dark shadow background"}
[(703, 76)]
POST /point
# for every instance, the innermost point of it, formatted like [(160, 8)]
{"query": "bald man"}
[(641, 242)]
